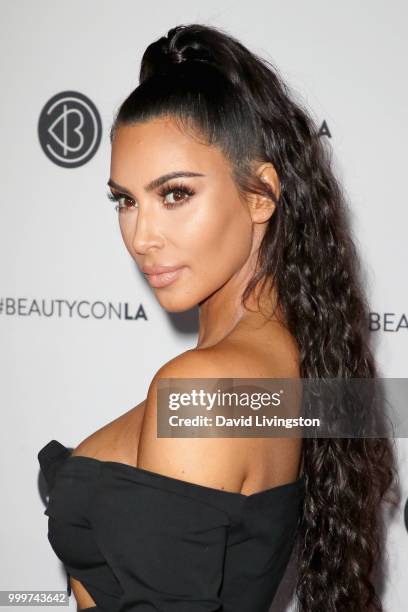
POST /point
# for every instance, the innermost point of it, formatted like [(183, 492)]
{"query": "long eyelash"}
[(169, 188), (115, 197), (166, 189)]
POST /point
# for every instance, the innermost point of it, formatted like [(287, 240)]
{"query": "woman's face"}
[(198, 223)]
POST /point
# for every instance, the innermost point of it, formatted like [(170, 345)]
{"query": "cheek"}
[(218, 244)]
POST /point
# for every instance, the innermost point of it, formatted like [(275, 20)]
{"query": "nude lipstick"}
[(162, 276)]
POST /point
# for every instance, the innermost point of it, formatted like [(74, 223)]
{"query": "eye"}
[(123, 201), (179, 194)]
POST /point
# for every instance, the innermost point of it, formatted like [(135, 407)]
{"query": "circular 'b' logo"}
[(70, 129)]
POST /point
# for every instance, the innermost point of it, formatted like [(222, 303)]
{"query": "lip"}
[(159, 269), (165, 278)]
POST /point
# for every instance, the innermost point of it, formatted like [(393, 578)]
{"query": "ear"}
[(262, 207)]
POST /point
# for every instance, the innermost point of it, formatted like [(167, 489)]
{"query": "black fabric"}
[(140, 541)]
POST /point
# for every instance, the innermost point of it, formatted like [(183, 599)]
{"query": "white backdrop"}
[(65, 375)]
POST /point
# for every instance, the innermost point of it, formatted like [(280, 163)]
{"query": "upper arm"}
[(214, 462)]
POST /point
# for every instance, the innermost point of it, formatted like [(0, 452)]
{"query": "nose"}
[(146, 231)]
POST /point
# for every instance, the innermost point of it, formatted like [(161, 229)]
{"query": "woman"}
[(227, 200)]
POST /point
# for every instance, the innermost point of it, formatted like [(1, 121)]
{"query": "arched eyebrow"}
[(155, 182)]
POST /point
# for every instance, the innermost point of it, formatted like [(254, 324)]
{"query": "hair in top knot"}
[(182, 44)]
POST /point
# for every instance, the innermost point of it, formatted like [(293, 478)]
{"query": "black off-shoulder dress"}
[(140, 541)]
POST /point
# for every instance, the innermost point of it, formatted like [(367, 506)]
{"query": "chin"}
[(176, 303)]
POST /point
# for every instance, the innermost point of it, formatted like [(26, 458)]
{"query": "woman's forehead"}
[(159, 146)]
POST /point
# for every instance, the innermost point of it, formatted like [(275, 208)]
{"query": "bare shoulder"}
[(214, 462), (217, 462)]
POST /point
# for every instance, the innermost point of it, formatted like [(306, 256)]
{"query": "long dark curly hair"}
[(226, 95)]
